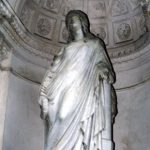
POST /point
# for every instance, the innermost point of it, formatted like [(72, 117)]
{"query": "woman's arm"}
[(50, 74), (104, 66)]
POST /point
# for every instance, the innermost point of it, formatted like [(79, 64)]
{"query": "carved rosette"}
[(119, 7), (124, 31), (96, 8), (44, 26)]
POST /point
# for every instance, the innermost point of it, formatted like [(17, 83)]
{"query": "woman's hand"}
[(105, 74), (44, 105)]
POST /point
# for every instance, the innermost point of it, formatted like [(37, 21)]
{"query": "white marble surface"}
[(4, 78), (132, 126), (23, 126)]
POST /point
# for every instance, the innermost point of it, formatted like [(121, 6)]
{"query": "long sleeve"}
[(104, 64), (46, 81), (50, 74)]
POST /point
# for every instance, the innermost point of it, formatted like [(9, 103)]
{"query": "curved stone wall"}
[(31, 46), (118, 22)]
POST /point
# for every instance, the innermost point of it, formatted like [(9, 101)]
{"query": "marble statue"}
[(76, 93)]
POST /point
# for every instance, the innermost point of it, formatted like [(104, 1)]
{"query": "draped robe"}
[(74, 89)]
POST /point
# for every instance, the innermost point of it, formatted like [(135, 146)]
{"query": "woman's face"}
[(75, 24)]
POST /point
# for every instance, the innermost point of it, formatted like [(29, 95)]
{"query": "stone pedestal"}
[(4, 79)]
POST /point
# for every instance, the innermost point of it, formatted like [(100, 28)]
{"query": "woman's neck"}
[(79, 35)]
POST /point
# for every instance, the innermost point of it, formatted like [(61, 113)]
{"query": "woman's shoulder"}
[(98, 41), (92, 40), (71, 45)]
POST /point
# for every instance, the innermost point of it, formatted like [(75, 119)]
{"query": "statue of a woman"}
[(72, 93)]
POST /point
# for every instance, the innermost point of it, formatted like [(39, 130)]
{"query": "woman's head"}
[(75, 19)]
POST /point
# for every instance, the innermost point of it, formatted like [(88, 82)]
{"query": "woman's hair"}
[(84, 22)]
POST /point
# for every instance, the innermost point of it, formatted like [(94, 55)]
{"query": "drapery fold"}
[(75, 94)]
